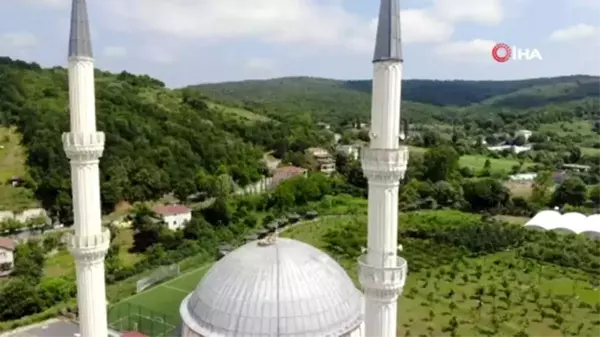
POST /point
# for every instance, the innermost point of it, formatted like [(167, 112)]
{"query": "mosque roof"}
[(80, 41), (388, 43), (286, 288)]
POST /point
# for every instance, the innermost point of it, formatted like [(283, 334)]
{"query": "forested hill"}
[(158, 140), (333, 100)]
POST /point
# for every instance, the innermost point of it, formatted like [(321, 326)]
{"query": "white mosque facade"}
[(571, 222), (271, 288)]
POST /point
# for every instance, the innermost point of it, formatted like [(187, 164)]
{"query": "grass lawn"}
[(590, 151), (476, 162), (579, 132), (62, 263), (245, 114), (155, 311), (12, 163)]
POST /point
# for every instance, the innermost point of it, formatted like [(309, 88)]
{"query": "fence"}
[(160, 274), (126, 317)]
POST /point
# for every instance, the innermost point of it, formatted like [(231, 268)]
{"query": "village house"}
[(525, 133), (7, 259), (351, 151), (174, 216), (281, 174), (324, 160)]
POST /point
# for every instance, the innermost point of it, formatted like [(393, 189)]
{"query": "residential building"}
[(513, 148), (523, 177), (324, 160), (174, 216), (577, 167), (525, 133), (7, 259), (284, 173), (352, 151)]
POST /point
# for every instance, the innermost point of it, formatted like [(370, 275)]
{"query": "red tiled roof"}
[(7, 243), (289, 170), (170, 209)]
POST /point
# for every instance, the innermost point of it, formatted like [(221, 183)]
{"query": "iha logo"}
[(503, 52)]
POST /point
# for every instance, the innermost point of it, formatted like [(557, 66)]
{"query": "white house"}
[(324, 159), (174, 216), (7, 259), (525, 133), (352, 151)]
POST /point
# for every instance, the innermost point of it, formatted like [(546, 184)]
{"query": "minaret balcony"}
[(83, 146), (389, 278), (90, 247), (385, 164)]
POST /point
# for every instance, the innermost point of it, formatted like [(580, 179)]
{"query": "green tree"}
[(441, 163), (572, 191)]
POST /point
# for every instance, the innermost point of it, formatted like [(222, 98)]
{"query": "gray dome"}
[(287, 289)]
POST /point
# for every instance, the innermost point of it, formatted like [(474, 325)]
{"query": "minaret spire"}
[(80, 41), (382, 272), (84, 146), (388, 43)]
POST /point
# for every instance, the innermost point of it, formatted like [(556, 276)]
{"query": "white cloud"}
[(261, 68), (18, 41), (301, 22), (309, 22), (489, 12), (114, 52), (577, 32), (260, 64), (477, 50), (48, 3), (421, 26), (587, 3), (156, 54)]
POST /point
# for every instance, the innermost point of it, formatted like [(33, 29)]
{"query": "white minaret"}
[(84, 146), (382, 273)]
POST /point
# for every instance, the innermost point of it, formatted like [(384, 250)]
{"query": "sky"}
[(185, 42)]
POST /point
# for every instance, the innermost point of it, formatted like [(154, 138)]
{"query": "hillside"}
[(158, 140), (337, 101)]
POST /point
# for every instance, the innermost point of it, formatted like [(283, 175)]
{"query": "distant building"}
[(284, 173), (24, 216), (523, 177), (525, 133), (324, 125), (352, 151), (325, 161), (7, 259), (577, 167), (174, 216), (513, 148)]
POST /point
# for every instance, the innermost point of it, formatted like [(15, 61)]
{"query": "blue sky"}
[(193, 41)]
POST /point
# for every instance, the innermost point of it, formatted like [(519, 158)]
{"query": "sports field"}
[(155, 312)]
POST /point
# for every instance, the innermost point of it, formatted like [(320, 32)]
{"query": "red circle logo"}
[(501, 52)]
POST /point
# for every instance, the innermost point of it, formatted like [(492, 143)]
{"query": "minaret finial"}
[(80, 41), (388, 44)]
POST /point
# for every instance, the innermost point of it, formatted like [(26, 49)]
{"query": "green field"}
[(243, 113), (12, 163), (517, 294), (476, 162), (155, 311)]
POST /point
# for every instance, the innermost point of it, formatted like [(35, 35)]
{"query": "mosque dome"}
[(285, 288)]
